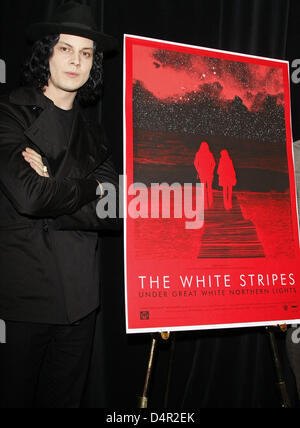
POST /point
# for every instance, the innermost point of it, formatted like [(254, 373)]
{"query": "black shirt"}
[(64, 129)]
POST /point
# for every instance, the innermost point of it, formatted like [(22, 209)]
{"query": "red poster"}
[(211, 225)]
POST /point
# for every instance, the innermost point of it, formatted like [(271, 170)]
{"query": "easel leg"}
[(170, 372), (286, 403), (143, 401)]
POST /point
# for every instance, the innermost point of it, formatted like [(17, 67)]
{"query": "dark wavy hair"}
[(36, 71)]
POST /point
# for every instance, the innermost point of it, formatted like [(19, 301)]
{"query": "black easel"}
[(170, 370), (285, 399), (143, 400)]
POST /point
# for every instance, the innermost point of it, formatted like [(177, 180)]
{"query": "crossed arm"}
[(69, 203), (84, 218), (36, 162)]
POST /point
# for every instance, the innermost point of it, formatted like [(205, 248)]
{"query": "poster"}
[(211, 225)]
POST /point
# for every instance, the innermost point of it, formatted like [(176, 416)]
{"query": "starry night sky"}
[(185, 93)]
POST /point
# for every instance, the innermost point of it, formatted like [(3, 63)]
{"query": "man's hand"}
[(36, 162)]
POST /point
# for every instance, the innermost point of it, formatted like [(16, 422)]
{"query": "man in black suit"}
[(53, 163)]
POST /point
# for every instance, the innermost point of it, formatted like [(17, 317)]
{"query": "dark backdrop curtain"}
[(227, 368)]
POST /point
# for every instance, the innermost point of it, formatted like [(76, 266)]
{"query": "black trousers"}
[(45, 366)]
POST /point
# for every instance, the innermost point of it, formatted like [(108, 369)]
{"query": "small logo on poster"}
[(145, 315)]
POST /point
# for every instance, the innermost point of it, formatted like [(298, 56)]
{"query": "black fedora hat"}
[(76, 19)]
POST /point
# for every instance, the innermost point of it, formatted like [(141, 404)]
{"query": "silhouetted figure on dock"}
[(205, 165), (227, 178)]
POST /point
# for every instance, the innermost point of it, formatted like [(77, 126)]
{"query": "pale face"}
[(70, 64)]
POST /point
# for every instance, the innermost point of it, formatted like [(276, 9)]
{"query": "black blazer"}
[(49, 262)]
